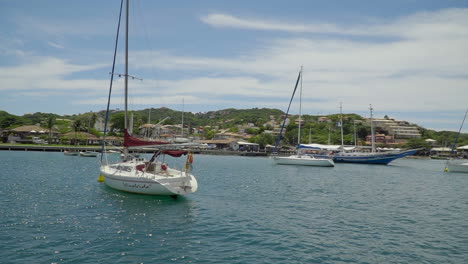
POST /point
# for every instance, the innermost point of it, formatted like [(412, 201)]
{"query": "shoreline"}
[(46, 148)]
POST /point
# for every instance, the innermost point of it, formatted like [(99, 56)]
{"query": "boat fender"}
[(163, 167), (100, 178)]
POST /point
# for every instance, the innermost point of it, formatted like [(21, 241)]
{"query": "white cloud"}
[(46, 73), (425, 68), (415, 63), (448, 22), (225, 20), (431, 43), (40, 26), (55, 45)]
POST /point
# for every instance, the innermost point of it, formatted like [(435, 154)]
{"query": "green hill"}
[(228, 119)]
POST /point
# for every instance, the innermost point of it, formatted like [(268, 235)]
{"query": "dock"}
[(46, 148)]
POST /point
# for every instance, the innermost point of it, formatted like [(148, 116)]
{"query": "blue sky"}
[(409, 59)]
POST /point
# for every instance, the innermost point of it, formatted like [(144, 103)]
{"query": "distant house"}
[(245, 146), (225, 140), (463, 151), (26, 134), (227, 135), (380, 139), (80, 138), (219, 143), (398, 128), (323, 119), (447, 152), (299, 120), (441, 152)]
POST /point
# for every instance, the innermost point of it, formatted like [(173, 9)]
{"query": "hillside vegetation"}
[(227, 119)]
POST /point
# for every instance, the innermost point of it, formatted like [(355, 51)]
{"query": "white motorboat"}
[(88, 154), (71, 153)]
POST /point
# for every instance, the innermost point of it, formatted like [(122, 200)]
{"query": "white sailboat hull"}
[(304, 160), (457, 167), (168, 182)]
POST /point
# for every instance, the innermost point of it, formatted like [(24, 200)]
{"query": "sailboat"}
[(300, 158), (138, 175), (453, 165), (373, 157)]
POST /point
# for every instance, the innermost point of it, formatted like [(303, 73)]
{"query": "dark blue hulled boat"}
[(371, 157), (349, 155)]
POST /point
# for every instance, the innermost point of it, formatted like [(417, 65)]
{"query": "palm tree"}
[(77, 124), (50, 125), (92, 121)]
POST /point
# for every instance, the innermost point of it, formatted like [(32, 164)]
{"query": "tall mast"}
[(372, 128), (183, 104), (355, 136), (300, 114), (341, 126), (126, 66)]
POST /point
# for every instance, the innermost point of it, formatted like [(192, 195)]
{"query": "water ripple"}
[(247, 210)]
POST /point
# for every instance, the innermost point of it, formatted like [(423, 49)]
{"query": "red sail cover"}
[(175, 153), (130, 141)]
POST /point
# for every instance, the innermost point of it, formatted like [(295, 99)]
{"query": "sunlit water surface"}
[(246, 210)]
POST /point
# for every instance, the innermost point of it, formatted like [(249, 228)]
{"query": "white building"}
[(397, 129)]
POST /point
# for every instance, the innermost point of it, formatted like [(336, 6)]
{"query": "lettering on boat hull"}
[(136, 185)]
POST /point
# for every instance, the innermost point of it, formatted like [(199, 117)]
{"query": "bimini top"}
[(175, 153), (323, 147)]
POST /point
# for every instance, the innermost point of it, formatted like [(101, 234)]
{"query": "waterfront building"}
[(30, 134), (463, 151), (380, 139), (397, 128), (323, 119)]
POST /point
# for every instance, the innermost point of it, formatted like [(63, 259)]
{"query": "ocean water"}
[(246, 210)]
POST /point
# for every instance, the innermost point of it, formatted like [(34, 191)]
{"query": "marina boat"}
[(373, 157), (88, 154), (307, 160), (300, 158), (383, 158), (139, 175), (457, 166), (111, 151), (71, 153), (350, 155)]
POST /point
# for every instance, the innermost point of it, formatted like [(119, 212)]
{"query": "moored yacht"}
[(138, 175)]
